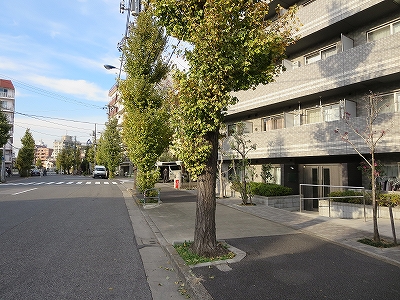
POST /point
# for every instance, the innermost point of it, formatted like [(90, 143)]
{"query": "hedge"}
[(269, 189), (340, 196), (383, 199)]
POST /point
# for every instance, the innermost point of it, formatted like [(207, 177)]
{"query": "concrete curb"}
[(192, 283)]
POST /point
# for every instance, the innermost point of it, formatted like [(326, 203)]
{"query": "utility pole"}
[(94, 144)]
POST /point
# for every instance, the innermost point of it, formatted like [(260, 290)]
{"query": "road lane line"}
[(88, 182), (24, 191)]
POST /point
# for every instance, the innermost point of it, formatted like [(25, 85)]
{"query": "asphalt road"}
[(299, 266), (64, 238)]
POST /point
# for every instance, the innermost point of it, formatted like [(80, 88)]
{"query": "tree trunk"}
[(374, 202), (392, 224), (205, 237)]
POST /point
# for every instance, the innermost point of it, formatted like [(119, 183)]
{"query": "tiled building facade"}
[(346, 49)]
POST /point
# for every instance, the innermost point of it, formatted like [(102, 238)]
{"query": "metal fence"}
[(309, 193)]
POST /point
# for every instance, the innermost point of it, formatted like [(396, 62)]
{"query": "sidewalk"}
[(174, 220)]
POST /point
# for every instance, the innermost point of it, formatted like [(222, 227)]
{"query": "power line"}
[(28, 124), (55, 118), (84, 134), (47, 93)]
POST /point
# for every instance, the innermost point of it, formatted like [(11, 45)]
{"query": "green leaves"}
[(26, 154), (146, 131), (5, 128), (109, 148), (234, 48)]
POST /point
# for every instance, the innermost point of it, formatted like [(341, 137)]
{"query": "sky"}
[(54, 52)]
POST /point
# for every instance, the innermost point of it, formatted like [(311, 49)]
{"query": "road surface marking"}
[(24, 191)]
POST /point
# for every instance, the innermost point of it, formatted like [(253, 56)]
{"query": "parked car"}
[(35, 172), (100, 171)]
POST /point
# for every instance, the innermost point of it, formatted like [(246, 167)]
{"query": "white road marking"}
[(24, 191)]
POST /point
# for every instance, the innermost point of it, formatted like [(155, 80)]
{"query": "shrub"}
[(341, 196), (269, 189), (389, 199)]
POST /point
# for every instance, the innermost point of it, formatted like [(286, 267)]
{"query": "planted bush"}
[(269, 189), (349, 196), (389, 200)]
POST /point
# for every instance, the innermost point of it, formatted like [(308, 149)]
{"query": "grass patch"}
[(380, 244), (191, 258)]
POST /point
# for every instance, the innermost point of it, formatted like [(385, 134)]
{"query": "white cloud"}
[(79, 88)]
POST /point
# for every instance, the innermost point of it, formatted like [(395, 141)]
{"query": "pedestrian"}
[(165, 175)]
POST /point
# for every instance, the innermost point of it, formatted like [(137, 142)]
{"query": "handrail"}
[(157, 196)]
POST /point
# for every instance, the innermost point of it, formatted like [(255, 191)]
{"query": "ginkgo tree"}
[(233, 46), (146, 132)]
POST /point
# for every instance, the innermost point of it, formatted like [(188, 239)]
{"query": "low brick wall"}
[(353, 211), (290, 203)]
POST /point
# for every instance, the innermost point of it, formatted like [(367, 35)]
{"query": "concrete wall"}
[(353, 211), (290, 203)]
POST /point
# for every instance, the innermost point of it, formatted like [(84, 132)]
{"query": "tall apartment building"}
[(66, 141), (346, 49), (7, 104), (44, 154)]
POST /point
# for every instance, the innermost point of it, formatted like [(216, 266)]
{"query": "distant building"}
[(44, 154), (66, 141), (7, 106), (116, 110)]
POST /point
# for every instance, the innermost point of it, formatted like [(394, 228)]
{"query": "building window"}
[(273, 122), (320, 54), (231, 129), (247, 129), (313, 115), (390, 103), (383, 31), (332, 112)]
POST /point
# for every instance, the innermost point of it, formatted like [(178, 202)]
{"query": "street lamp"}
[(110, 67)]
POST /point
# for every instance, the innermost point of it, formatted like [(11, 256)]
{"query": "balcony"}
[(324, 19), (336, 74), (10, 94), (320, 139)]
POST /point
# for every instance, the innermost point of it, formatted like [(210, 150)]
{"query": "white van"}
[(100, 171), (174, 169)]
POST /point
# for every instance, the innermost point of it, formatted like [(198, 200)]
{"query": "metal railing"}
[(151, 194), (321, 188)]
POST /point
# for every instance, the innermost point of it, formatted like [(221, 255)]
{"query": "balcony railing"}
[(8, 94)]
